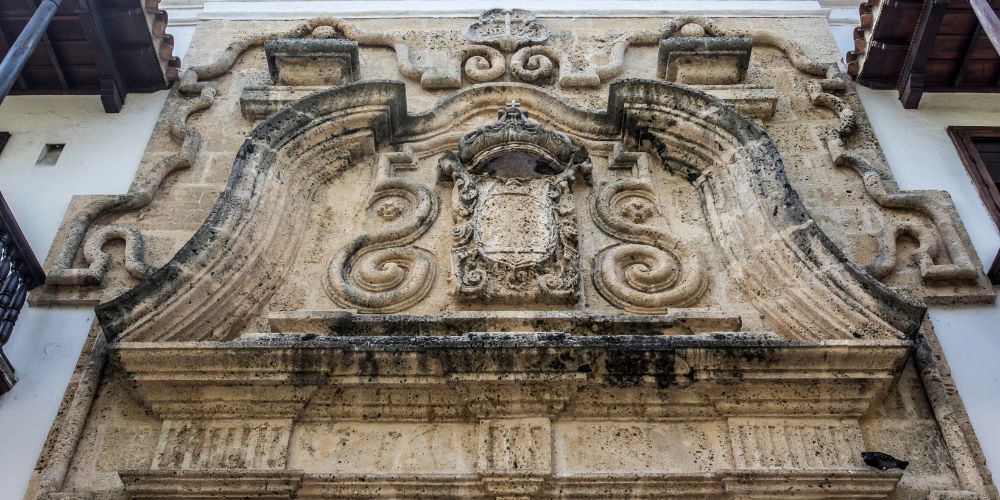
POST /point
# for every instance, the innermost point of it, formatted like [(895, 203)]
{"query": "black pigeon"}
[(882, 461)]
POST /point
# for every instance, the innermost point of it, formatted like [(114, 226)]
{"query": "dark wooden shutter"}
[(979, 148)]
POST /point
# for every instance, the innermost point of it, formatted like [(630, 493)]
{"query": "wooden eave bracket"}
[(113, 89)]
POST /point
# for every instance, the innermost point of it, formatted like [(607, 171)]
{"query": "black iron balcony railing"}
[(19, 272)]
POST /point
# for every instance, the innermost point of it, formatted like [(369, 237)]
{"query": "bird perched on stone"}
[(882, 461)]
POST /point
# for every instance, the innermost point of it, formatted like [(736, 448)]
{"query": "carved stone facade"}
[(654, 278)]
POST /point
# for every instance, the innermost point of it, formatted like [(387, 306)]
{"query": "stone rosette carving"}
[(507, 29), (515, 237)]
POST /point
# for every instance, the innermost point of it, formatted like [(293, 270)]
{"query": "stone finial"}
[(507, 29)]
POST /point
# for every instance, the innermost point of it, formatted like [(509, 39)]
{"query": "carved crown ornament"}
[(507, 29), (515, 237)]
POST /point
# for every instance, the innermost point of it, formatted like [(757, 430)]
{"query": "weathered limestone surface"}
[(512, 257)]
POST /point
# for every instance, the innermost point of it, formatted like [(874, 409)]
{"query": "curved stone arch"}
[(786, 266), (814, 292), (791, 271)]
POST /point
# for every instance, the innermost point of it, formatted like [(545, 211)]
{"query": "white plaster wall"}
[(922, 156), (101, 155)]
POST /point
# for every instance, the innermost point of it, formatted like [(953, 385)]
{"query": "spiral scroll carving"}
[(534, 64), (651, 270), (378, 272), (482, 63)]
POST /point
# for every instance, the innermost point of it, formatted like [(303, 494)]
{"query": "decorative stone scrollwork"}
[(482, 63), (507, 29), (652, 270), (515, 236), (534, 64), (99, 260), (379, 272), (944, 237)]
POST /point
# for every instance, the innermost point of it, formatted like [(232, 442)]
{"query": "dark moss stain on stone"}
[(628, 368)]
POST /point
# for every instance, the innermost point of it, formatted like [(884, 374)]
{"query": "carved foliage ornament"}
[(515, 234), (507, 29)]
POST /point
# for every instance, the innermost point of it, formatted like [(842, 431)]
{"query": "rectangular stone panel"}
[(222, 444), (795, 444), (639, 447), (515, 446), (386, 448)]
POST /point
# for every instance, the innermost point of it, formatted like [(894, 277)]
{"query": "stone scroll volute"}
[(651, 269), (382, 271)]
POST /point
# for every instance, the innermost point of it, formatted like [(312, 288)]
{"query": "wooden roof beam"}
[(24, 46), (988, 20), (51, 52), (911, 80), (113, 88), (960, 75)]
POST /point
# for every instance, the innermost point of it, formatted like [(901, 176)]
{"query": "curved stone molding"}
[(775, 253), (378, 272), (946, 236), (238, 247), (766, 237), (653, 271)]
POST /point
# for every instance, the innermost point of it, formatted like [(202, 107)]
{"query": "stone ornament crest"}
[(515, 234), (507, 29)]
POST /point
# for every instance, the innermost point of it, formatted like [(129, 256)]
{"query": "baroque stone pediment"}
[(771, 249), (715, 56), (525, 289)]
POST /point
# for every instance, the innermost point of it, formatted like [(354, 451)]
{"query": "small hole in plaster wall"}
[(50, 154)]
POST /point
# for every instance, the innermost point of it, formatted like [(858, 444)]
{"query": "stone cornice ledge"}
[(348, 9), (312, 377), (778, 483)]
